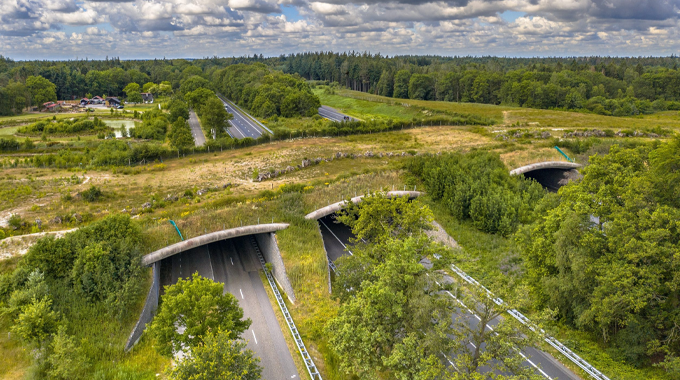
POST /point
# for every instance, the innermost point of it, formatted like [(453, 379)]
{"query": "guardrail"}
[(309, 363), (564, 350)]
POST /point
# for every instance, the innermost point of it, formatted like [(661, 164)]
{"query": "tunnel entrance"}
[(221, 261), (553, 179)]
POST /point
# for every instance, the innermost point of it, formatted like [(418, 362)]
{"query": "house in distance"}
[(147, 97)]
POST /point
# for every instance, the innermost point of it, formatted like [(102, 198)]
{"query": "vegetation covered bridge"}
[(551, 174)]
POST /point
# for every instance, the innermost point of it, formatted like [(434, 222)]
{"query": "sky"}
[(140, 29)]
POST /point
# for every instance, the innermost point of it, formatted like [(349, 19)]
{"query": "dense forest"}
[(604, 85)]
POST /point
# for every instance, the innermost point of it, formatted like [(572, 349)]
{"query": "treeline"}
[(266, 92), (570, 82), (604, 253), (606, 86), (478, 187)]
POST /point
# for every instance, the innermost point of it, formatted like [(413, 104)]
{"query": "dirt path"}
[(19, 245)]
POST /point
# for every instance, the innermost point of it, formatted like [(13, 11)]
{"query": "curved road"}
[(335, 239), (234, 263), (333, 114)]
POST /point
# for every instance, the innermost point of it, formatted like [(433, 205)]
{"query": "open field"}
[(365, 105)]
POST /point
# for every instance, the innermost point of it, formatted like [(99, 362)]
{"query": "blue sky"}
[(66, 29)]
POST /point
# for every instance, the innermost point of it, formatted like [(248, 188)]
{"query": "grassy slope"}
[(360, 103)]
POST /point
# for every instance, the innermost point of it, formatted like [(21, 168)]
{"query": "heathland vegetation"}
[(596, 263)]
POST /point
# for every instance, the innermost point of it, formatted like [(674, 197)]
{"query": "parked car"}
[(120, 107)]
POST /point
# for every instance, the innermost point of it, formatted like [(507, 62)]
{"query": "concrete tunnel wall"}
[(545, 165), (270, 250), (150, 306), (266, 240)]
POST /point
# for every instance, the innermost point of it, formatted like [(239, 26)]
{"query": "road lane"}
[(234, 263), (333, 114), (196, 130), (336, 237), (241, 125)]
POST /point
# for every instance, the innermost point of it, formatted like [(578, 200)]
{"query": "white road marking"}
[(241, 294), (254, 336), (340, 241), (232, 260)]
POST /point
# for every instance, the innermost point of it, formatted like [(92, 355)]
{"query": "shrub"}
[(92, 194)]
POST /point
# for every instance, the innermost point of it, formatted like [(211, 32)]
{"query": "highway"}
[(333, 114), (242, 126), (196, 130), (234, 263), (336, 238)]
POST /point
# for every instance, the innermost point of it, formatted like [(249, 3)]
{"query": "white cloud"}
[(194, 28)]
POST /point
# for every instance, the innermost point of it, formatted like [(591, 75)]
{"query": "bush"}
[(478, 186), (15, 221), (92, 194)]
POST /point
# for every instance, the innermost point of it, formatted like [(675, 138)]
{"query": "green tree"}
[(193, 84), (28, 144), (65, 360), (401, 82), (605, 249), (190, 309), (180, 135), (41, 90), (479, 346), (218, 357), (148, 86), (421, 87), (132, 87), (178, 108), (399, 308), (378, 217), (36, 322), (199, 97), (214, 117), (134, 97)]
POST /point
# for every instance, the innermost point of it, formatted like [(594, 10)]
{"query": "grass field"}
[(364, 105)]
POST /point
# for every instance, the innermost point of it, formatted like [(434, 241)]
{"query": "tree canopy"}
[(190, 309), (605, 252)]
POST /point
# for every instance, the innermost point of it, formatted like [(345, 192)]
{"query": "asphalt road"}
[(196, 130), (234, 263), (333, 114), (242, 126), (336, 237)]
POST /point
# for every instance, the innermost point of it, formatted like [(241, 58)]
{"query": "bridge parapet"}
[(546, 165), (212, 237), (337, 206)]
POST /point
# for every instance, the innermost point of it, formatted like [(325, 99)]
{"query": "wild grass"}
[(369, 105), (366, 109)]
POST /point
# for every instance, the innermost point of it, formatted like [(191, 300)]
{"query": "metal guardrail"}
[(309, 363), (564, 350)]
